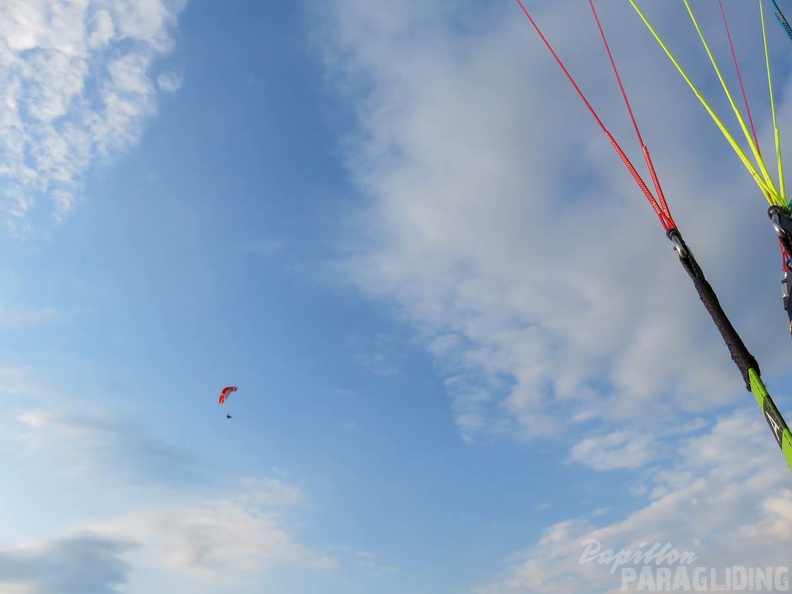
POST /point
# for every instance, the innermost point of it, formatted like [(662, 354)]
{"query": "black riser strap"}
[(739, 353)]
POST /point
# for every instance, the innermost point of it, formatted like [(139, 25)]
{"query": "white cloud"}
[(75, 88), (25, 315), (270, 492), (170, 82), (197, 530), (101, 29), (724, 499), (370, 563), (499, 221), (224, 537), (618, 449), (104, 446), (88, 563), (221, 536), (17, 381), (207, 541)]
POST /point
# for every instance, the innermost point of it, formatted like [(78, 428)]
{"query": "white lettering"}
[(739, 578), (700, 579), (663, 580), (681, 581), (628, 576), (646, 579), (781, 580)]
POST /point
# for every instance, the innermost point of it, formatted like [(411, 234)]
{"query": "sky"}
[(463, 346)]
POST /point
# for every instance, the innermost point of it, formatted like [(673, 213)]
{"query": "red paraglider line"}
[(655, 180), (662, 212), (739, 75), (784, 255)]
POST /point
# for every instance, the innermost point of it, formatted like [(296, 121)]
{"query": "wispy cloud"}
[(74, 88), (269, 492), (24, 382), (618, 449), (89, 563), (26, 315), (724, 498), (380, 355), (108, 445), (496, 219), (499, 223), (193, 530), (170, 82), (211, 541), (224, 538), (220, 536), (370, 563)]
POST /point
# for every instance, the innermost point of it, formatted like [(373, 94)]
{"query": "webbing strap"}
[(743, 359)]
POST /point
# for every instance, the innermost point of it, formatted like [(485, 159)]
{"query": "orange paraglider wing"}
[(225, 394)]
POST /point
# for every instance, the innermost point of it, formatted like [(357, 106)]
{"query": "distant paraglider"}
[(224, 394)]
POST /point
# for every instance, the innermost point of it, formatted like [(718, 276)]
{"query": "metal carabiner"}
[(679, 245), (775, 218)]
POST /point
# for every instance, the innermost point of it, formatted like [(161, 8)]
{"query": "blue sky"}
[(462, 344)]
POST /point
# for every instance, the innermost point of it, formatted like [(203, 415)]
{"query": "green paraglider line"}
[(758, 171), (738, 71), (745, 362)]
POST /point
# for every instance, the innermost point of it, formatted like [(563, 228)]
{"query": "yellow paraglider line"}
[(751, 142), (776, 132), (745, 362), (764, 181)]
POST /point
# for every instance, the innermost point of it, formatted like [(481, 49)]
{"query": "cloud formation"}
[(222, 538), (169, 82), (218, 536), (497, 219), (74, 89), (724, 499), (618, 449), (108, 446), (88, 563)]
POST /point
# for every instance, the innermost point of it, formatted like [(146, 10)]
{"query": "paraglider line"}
[(650, 165), (738, 70), (745, 362), (665, 217)]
